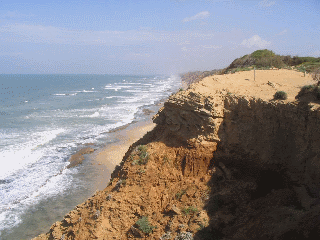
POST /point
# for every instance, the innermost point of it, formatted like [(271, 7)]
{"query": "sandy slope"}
[(266, 84)]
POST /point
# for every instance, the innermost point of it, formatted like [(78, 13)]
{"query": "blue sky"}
[(148, 37)]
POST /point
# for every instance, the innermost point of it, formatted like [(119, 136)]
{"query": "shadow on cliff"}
[(248, 202)]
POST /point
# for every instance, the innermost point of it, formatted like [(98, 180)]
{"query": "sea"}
[(44, 120)]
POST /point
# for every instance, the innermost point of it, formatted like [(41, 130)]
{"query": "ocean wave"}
[(23, 153)]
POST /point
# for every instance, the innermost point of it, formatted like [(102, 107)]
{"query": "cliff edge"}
[(225, 161)]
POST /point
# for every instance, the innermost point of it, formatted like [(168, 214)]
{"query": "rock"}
[(147, 111), (175, 210), (77, 158), (136, 232), (184, 236), (97, 214)]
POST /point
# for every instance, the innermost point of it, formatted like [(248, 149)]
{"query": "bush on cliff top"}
[(265, 59), (311, 90), (280, 95)]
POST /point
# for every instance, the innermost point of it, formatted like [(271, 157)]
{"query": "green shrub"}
[(310, 89), (142, 148), (144, 225), (179, 194), (262, 53), (189, 210), (143, 155), (280, 95)]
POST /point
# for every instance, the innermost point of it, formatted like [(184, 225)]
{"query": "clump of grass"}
[(143, 155), (144, 225), (280, 95), (180, 194), (188, 210), (181, 89)]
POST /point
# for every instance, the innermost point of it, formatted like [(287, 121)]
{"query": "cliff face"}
[(268, 152), (218, 165)]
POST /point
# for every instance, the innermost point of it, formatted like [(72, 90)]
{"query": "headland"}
[(227, 159)]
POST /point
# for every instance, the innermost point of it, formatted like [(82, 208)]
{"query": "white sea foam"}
[(96, 114), (21, 154)]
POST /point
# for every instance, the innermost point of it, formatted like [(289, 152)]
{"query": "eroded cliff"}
[(222, 163)]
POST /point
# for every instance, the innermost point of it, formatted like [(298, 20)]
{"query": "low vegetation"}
[(261, 60), (311, 90), (266, 59), (281, 95), (189, 210), (141, 156), (144, 225)]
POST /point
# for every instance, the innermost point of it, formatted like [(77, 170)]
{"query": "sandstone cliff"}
[(225, 161)]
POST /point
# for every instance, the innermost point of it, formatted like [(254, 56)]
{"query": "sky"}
[(150, 36)]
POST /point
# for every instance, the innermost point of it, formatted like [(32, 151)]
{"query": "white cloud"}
[(200, 15), (266, 3), (283, 32), (255, 41)]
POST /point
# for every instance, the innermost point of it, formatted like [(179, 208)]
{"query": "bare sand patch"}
[(265, 85)]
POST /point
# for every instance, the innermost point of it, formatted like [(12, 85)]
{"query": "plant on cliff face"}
[(121, 182), (280, 95), (189, 210), (179, 194), (144, 225), (143, 155)]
